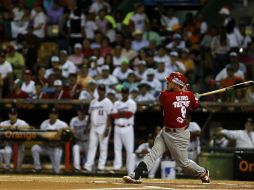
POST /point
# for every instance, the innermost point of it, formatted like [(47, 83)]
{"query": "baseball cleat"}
[(205, 178), (131, 179)]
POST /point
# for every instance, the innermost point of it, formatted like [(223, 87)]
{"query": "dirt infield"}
[(50, 182)]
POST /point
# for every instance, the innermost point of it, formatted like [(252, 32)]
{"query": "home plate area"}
[(53, 182)]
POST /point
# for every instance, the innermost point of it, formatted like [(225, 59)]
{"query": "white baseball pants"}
[(177, 143), (96, 137), (76, 150), (134, 161), (6, 154), (123, 136), (54, 153)]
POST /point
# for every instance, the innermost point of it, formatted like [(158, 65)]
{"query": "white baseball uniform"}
[(6, 152), (53, 150), (194, 145), (99, 112), (243, 139), (123, 132), (134, 160), (79, 129)]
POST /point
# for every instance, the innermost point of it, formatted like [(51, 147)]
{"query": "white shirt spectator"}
[(19, 123), (87, 96), (169, 23), (224, 74), (173, 45), (120, 75), (5, 69), (243, 139), (38, 19), (97, 5), (139, 21), (108, 82), (138, 45), (155, 84), (90, 27), (219, 143), (68, 68), (195, 144), (28, 88), (166, 59), (146, 97), (235, 38)]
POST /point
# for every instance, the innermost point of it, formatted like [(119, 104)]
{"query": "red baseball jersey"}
[(176, 105)]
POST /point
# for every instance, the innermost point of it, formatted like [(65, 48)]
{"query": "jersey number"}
[(183, 111), (100, 112)]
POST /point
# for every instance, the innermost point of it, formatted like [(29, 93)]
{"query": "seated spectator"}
[(106, 78), (152, 82), (67, 66), (17, 93), (83, 77), (176, 64), (60, 92), (144, 93), (127, 50), (39, 94), (77, 56), (105, 47), (73, 87), (54, 66), (138, 42), (87, 50), (117, 58), (168, 20), (39, 19), (139, 154), (40, 77), (16, 59), (162, 56), (140, 70), (151, 35), (186, 60), (20, 19), (49, 87), (90, 92), (160, 73), (94, 70), (121, 73), (90, 26), (236, 69), (177, 43), (75, 25), (28, 85), (131, 82), (6, 74), (231, 79)]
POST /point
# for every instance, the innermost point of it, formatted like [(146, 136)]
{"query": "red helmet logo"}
[(177, 78)]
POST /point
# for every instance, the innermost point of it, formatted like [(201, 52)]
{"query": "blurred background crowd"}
[(52, 49)]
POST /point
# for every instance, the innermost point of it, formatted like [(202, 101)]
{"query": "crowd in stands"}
[(56, 49)]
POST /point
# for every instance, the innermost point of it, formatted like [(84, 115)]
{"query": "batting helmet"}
[(177, 78)]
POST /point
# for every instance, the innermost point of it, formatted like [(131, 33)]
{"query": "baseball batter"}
[(6, 151), (53, 149), (99, 111), (176, 102), (123, 113), (79, 127)]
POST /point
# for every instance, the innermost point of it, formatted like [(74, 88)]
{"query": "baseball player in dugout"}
[(244, 138), (100, 124), (123, 114), (6, 148), (176, 102), (53, 149), (80, 131)]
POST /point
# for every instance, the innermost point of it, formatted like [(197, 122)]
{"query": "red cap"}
[(177, 78)]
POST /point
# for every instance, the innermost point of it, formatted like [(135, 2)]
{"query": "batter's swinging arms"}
[(176, 102)]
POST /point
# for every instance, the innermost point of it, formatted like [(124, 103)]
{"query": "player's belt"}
[(128, 125), (173, 130)]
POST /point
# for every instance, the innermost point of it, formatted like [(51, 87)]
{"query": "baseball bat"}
[(233, 87)]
